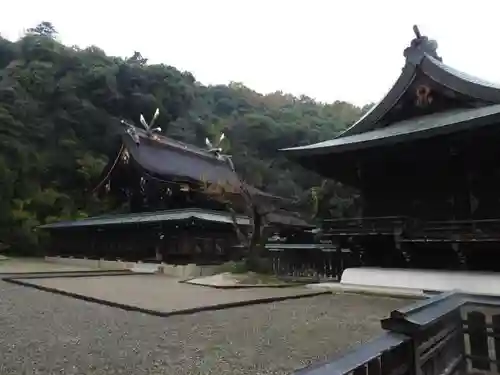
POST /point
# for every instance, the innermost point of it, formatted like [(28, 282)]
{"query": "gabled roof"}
[(426, 91), (167, 158)]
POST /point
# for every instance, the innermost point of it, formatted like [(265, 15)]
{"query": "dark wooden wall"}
[(176, 244), (445, 178)]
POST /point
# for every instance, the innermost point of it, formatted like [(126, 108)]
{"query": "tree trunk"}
[(255, 248)]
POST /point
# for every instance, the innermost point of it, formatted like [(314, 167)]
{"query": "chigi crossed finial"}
[(150, 130)]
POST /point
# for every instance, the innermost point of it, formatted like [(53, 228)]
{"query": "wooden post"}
[(478, 337)]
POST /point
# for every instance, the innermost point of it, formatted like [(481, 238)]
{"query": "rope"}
[(110, 170)]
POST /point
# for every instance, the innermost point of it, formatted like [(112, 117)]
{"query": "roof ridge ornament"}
[(148, 127), (419, 47)]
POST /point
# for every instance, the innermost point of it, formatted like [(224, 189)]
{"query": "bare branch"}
[(230, 195)]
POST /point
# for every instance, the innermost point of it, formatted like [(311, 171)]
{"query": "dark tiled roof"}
[(187, 214), (416, 128), (287, 218), (477, 88), (421, 60), (150, 217), (171, 159), (463, 76)]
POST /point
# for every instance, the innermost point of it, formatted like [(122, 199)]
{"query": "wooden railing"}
[(451, 333), (389, 354), (457, 231), (308, 261), (415, 230), (482, 333), (364, 225)]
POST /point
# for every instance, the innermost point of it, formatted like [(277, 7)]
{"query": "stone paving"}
[(161, 293)]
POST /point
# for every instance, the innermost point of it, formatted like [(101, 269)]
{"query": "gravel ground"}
[(160, 293), (44, 333)]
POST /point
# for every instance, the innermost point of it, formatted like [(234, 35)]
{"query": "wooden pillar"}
[(459, 185), (364, 199), (341, 263)]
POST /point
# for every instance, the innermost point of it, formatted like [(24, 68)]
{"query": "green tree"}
[(60, 105), (45, 29)]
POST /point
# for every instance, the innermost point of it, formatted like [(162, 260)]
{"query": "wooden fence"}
[(449, 334), (309, 261)]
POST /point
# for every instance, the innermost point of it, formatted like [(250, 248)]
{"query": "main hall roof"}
[(429, 98)]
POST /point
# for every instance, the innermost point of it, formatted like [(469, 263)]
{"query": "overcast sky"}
[(330, 50)]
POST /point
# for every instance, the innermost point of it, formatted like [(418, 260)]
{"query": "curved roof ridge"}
[(419, 47), (421, 56), (463, 75), (384, 105), (459, 81)]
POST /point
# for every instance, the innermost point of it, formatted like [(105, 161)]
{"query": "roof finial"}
[(419, 47), (417, 32)]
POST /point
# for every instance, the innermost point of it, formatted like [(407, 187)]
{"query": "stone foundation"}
[(78, 262)]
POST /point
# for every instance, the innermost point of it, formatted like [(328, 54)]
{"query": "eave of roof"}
[(282, 217), (180, 215), (150, 217), (416, 128)]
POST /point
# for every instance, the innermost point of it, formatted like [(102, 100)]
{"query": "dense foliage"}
[(59, 107)]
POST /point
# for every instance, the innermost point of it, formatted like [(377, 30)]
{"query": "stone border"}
[(242, 286), (387, 295), (55, 275), (221, 306), (400, 293), (76, 273)]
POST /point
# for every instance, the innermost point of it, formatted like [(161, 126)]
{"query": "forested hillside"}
[(59, 107)]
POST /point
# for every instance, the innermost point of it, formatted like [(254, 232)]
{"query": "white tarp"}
[(487, 283)]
